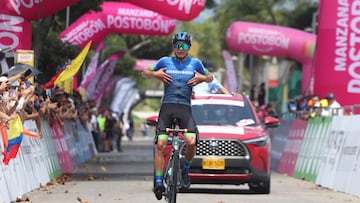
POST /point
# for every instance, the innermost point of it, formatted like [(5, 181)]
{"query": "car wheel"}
[(260, 187)]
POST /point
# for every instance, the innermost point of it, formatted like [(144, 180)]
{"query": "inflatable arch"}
[(184, 10), (16, 17), (263, 39), (116, 17)]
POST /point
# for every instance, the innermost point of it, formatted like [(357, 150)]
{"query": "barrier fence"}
[(323, 150), (39, 160)]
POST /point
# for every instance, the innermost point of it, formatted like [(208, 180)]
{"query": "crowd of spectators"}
[(21, 98), (307, 106), (303, 106)]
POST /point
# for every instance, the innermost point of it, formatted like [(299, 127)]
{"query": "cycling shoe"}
[(158, 191)]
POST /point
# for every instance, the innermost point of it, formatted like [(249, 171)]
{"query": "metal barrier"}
[(323, 111)]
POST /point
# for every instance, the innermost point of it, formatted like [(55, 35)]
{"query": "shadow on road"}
[(205, 190)]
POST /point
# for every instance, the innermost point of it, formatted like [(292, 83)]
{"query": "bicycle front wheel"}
[(173, 178)]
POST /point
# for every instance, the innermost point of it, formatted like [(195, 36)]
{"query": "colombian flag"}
[(14, 138)]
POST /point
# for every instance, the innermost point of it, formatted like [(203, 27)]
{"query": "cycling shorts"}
[(182, 112)]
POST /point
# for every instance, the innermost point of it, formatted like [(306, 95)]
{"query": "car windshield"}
[(219, 114)]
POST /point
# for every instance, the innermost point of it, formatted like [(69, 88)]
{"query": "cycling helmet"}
[(182, 36)]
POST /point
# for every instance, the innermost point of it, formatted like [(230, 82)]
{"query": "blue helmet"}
[(182, 36)]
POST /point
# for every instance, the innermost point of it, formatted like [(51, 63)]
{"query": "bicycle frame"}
[(172, 171)]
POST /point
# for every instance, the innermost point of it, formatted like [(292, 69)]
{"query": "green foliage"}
[(158, 47), (55, 54), (124, 67)]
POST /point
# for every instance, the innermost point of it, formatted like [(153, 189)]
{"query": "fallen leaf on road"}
[(23, 198), (82, 201), (91, 177)]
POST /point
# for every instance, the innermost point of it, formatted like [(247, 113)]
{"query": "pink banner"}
[(110, 87), (91, 69), (117, 17), (337, 66), (16, 16), (262, 39), (231, 81), (97, 86), (34, 9), (61, 148), (292, 148), (184, 10), (141, 64), (15, 32)]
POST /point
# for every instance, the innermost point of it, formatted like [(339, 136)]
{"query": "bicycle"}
[(172, 173)]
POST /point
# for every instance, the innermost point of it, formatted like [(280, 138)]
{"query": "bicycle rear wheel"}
[(172, 187)]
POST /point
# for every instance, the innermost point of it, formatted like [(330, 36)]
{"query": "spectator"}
[(334, 106), (119, 132), (145, 129), (131, 128), (212, 87), (270, 111), (109, 130), (101, 119), (261, 95), (95, 128)]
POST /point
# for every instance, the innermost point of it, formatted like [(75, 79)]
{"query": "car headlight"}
[(260, 141)]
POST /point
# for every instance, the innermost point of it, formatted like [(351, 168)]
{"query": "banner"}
[(15, 32), (337, 58), (16, 17), (117, 17), (91, 69), (231, 79), (25, 57), (75, 65), (262, 39), (96, 88), (184, 10), (292, 147)]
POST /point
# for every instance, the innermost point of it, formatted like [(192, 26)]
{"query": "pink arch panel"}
[(263, 39)]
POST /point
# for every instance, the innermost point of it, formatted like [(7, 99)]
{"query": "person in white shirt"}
[(334, 106), (212, 87)]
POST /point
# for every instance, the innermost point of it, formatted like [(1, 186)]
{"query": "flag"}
[(14, 138), (102, 77), (231, 79), (91, 69), (50, 83), (75, 65)]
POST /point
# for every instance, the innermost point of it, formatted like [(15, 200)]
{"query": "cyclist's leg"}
[(187, 121), (164, 121)]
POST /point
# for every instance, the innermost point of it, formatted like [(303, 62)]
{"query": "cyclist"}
[(179, 74), (210, 87)]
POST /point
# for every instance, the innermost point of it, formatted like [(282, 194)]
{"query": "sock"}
[(158, 178), (186, 167)]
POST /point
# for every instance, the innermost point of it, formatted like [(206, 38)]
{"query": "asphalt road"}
[(126, 177)]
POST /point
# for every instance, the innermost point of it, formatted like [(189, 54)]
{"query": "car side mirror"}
[(271, 122), (152, 120)]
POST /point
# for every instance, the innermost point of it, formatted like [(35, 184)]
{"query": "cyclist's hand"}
[(162, 76), (198, 78)]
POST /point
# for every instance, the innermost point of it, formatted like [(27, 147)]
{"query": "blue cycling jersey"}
[(179, 92)]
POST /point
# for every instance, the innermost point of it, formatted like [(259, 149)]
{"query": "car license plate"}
[(213, 163)]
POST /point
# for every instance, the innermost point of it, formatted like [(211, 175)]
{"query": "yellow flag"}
[(75, 65), (68, 85)]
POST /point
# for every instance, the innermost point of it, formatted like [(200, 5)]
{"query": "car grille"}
[(223, 147)]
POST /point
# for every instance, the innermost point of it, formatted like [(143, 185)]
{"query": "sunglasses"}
[(183, 46)]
